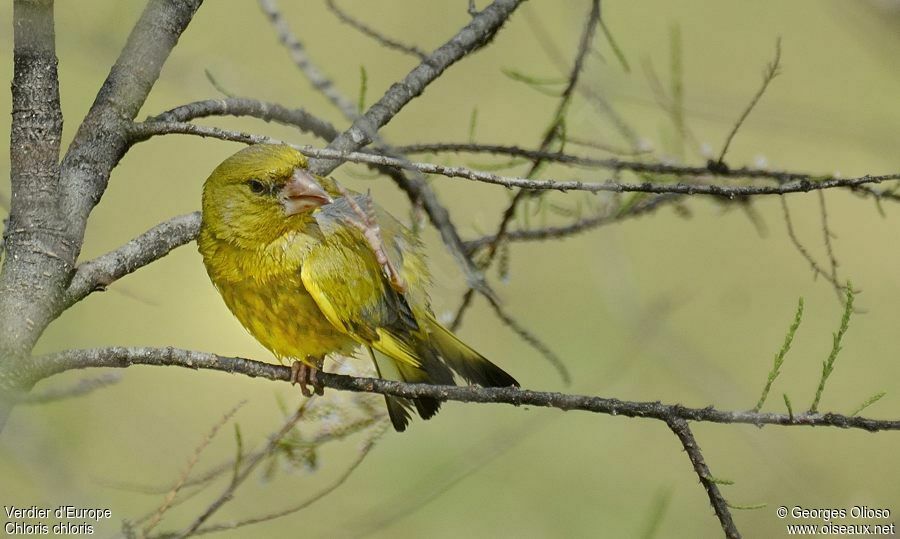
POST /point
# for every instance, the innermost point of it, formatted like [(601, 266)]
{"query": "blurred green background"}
[(680, 309)]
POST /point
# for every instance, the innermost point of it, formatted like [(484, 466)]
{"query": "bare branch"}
[(173, 492), (38, 258), (144, 131), (772, 71), (532, 340), (150, 246), (241, 106), (582, 225), (550, 136), (121, 357), (363, 453), (827, 234), (681, 429), (617, 165), (244, 473), (481, 30), (81, 388), (838, 286), (102, 140), (374, 34), (298, 55)]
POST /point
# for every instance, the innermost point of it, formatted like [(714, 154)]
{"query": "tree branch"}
[(380, 38), (550, 136), (240, 106), (150, 246), (144, 131), (245, 472), (38, 259), (102, 139), (582, 225), (479, 32), (298, 55), (390, 104), (121, 357), (681, 429), (781, 176)]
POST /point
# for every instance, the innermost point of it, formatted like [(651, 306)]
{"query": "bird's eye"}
[(257, 186)]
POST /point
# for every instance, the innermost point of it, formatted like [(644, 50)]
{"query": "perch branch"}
[(121, 357)]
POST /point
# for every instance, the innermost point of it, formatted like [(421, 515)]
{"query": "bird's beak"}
[(302, 193)]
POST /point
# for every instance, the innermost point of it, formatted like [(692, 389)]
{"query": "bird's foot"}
[(305, 375)]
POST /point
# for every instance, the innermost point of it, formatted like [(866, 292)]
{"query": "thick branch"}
[(102, 140), (38, 258), (150, 246), (683, 431), (120, 357)]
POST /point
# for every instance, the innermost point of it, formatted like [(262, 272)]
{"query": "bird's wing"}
[(346, 281)]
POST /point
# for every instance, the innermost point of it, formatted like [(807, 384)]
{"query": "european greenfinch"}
[(310, 269)]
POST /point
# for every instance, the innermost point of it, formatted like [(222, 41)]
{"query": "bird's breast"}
[(264, 291)]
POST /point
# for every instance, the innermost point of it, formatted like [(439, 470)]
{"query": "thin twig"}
[(771, 71), (250, 465), (683, 431), (363, 453), (531, 339), (817, 269), (480, 31), (298, 54), (642, 207), (144, 131), (827, 234), (81, 388), (121, 357), (170, 496), (379, 37), (550, 136)]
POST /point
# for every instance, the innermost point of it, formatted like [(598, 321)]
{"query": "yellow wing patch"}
[(391, 346), (386, 343), (321, 299)]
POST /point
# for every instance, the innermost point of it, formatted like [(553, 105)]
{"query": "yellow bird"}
[(311, 269)]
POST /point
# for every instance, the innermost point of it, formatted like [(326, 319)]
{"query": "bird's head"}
[(262, 192)]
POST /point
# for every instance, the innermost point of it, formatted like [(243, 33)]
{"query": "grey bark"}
[(51, 202), (38, 257)]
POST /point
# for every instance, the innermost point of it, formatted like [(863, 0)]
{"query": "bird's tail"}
[(436, 356), (465, 361), (399, 407)]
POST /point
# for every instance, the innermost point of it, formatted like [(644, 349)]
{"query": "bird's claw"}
[(306, 376)]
